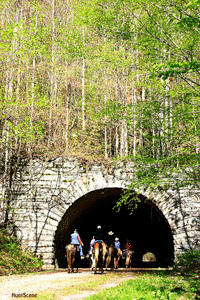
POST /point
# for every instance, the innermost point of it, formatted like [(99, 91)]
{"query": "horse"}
[(128, 257), (99, 254), (112, 254), (91, 259), (73, 257), (117, 256)]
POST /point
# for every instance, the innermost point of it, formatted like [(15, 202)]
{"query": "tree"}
[(165, 37)]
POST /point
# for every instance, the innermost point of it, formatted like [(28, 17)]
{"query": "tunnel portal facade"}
[(71, 195), (146, 227)]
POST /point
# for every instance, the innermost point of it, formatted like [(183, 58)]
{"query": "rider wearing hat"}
[(117, 246), (117, 243), (110, 239), (98, 235)]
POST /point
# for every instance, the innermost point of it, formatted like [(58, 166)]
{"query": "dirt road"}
[(59, 285)]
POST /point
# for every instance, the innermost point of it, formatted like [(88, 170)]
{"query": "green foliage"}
[(141, 85), (148, 287), (188, 263), (13, 260)]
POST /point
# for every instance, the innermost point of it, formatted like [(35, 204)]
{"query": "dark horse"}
[(99, 252), (73, 257)]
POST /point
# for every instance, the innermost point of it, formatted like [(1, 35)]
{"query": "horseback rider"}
[(76, 240), (91, 245), (117, 246), (117, 243), (98, 235), (128, 245), (110, 242), (110, 239), (99, 250)]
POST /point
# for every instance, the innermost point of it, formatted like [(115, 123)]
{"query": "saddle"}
[(76, 246)]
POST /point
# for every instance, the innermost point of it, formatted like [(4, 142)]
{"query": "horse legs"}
[(69, 262), (73, 260), (95, 263), (110, 258), (101, 263), (103, 255), (92, 262), (115, 262)]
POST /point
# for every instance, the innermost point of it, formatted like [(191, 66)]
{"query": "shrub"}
[(12, 259), (188, 263)]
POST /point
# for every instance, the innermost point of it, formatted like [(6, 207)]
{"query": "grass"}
[(149, 287), (13, 260)]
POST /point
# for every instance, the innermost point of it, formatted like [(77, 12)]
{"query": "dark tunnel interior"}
[(146, 227)]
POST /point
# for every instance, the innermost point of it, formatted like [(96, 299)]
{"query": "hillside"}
[(13, 260)]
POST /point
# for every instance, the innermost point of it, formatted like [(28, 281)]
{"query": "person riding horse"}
[(99, 250), (91, 245), (110, 239), (118, 253), (98, 235), (128, 253), (110, 249), (128, 245), (118, 245), (76, 240)]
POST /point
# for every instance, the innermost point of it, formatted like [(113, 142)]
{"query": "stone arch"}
[(63, 183), (147, 228)]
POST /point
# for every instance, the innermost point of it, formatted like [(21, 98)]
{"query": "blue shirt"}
[(74, 237), (117, 245)]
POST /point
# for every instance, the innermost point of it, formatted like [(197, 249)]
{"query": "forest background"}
[(101, 80)]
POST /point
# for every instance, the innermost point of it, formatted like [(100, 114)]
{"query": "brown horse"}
[(99, 252), (128, 257), (117, 256), (112, 254), (73, 257)]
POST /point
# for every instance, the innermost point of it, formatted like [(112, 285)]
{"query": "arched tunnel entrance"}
[(146, 228)]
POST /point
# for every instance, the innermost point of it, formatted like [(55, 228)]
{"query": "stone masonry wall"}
[(47, 189)]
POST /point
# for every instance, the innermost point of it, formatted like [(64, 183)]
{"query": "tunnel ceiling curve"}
[(146, 227)]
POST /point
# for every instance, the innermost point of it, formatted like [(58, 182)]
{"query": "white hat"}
[(110, 232), (116, 239), (99, 227)]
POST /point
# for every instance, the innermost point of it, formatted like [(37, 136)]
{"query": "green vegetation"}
[(155, 286), (165, 285), (188, 263), (101, 80), (13, 260)]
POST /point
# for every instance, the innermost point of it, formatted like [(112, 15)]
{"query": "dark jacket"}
[(110, 240), (98, 235)]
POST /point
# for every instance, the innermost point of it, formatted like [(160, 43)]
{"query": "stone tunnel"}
[(63, 195), (146, 228)]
